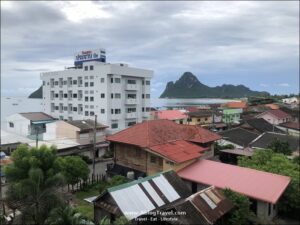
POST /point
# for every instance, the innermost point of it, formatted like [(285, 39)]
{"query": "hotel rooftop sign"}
[(89, 55)]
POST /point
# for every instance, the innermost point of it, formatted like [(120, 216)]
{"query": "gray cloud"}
[(221, 42)]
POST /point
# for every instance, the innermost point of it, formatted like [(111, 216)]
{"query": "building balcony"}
[(131, 101), (115, 116), (131, 87), (131, 115)]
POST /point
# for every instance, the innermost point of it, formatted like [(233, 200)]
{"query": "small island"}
[(188, 86)]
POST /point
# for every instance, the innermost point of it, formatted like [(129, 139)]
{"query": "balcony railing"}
[(131, 87), (131, 115), (131, 101)]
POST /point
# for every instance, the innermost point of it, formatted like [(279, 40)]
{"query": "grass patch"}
[(86, 208)]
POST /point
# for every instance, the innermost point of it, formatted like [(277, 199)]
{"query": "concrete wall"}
[(273, 120), (21, 125), (266, 211), (200, 120)]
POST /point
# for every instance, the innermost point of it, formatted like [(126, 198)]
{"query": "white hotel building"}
[(118, 94)]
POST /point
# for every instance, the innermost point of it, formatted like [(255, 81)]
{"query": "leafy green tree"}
[(104, 221), (122, 220), (241, 212), (267, 160), (280, 147), (74, 168), (33, 183), (66, 215)]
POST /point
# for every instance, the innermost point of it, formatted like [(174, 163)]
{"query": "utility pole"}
[(94, 148), (36, 137)]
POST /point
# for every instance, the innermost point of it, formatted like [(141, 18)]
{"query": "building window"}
[(147, 82), (111, 80), (44, 83), (143, 82), (130, 110), (102, 111), (65, 82), (92, 113), (86, 106), (131, 123), (114, 125), (147, 109), (74, 95), (112, 95), (91, 67), (147, 95), (112, 111), (75, 109), (11, 124), (102, 80), (102, 95), (132, 96), (117, 80), (131, 81), (65, 108), (117, 111), (91, 106), (86, 77), (152, 159), (170, 163), (143, 96), (117, 95), (91, 99), (86, 84), (86, 113), (65, 95), (86, 99), (56, 107), (86, 68), (56, 95), (91, 84), (92, 92), (143, 109), (74, 81), (56, 83)]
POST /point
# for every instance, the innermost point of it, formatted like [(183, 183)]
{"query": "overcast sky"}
[(251, 43)]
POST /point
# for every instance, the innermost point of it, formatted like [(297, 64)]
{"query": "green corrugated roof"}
[(122, 186)]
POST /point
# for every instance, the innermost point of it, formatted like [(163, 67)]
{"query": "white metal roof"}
[(133, 200)]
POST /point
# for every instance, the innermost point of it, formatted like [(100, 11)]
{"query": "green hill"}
[(37, 94), (188, 86)]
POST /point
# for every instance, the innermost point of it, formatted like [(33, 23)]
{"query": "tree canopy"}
[(280, 147), (241, 212), (74, 168), (34, 180)]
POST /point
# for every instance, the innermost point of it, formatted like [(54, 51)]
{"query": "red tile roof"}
[(192, 109), (278, 113), (236, 105), (156, 132), (291, 125), (179, 151), (170, 114), (255, 184), (272, 106)]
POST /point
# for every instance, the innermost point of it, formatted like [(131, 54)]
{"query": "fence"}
[(82, 184)]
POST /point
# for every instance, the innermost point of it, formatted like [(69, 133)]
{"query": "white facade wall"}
[(272, 120), (18, 124), (97, 99)]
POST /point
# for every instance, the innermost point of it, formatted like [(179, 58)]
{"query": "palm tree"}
[(66, 215)]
